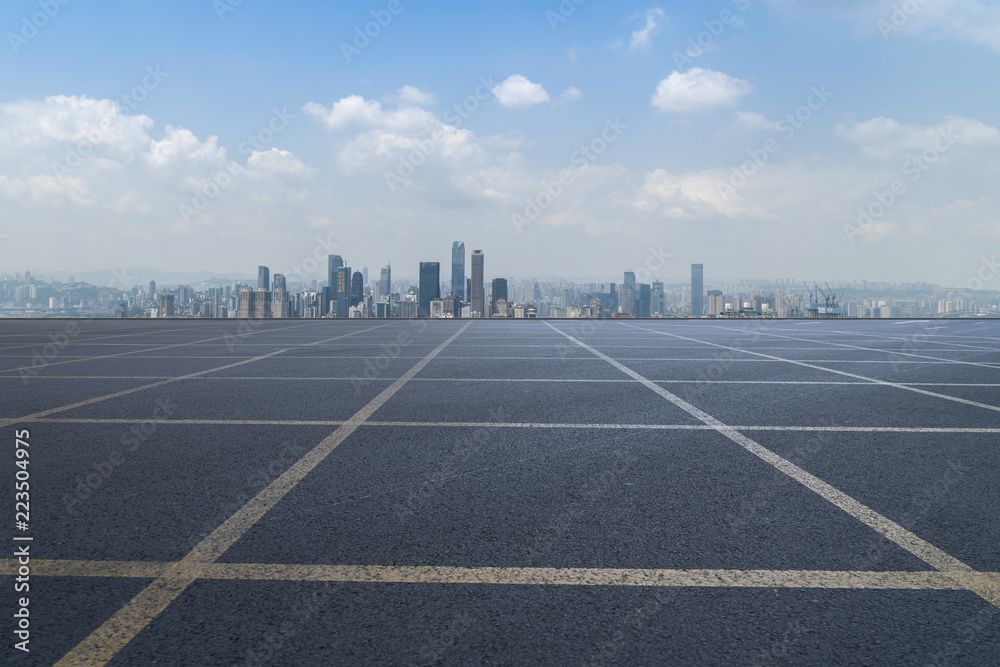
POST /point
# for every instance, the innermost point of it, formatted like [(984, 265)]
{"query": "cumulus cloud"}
[(642, 38), (696, 90), (518, 92)]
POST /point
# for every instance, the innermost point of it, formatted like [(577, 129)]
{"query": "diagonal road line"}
[(115, 633), (125, 392), (889, 529), (875, 381)]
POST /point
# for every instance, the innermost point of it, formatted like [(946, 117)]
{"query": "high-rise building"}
[(166, 305), (262, 304), (341, 291), (477, 300), (430, 287), (633, 308), (279, 282), (385, 282), (245, 307), (626, 300), (357, 287), (458, 270), (152, 288), (333, 263), (697, 290), (644, 308), (716, 302), (498, 292), (263, 278)]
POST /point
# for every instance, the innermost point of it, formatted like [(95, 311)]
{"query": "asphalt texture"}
[(479, 492)]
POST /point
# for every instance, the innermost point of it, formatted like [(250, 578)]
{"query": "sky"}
[(763, 138)]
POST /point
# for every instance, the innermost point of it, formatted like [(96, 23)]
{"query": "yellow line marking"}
[(522, 425), (115, 633), (91, 401), (525, 576), (891, 530)]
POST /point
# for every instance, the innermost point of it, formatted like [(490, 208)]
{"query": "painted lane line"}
[(115, 633)]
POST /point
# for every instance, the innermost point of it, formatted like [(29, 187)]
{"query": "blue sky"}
[(88, 182)]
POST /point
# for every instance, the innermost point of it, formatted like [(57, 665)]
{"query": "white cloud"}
[(698, 89), (642, 38), (887, 139), (518, 92), (751, 120), (410, 95), (355, 110), (572, 93)]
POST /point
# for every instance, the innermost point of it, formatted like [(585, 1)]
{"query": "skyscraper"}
[(279, 282), (342, 291), (385, 283), (498, 292), (633, 307), (430, 287), (477, 300), (357, 287), (458, 270), (697, 290), (334, 262), (263, 278)]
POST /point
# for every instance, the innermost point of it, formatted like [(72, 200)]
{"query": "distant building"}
[(262, 304), (357, 287), (697, 290), (498, 292), (279, 282), (716, 303), (430, 287), (152, 288), (263, 278), (385, 283), (341, 300), (458, 270), (166, 305), (477, 299)]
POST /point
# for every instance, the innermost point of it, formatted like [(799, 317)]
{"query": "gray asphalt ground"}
[(520, 492)]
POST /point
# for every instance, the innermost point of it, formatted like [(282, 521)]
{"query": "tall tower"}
[(334, 262), (385, 283), (342, 297), (697, 290), (263, 278), (430, 287), (477, 300), (458, 270)]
